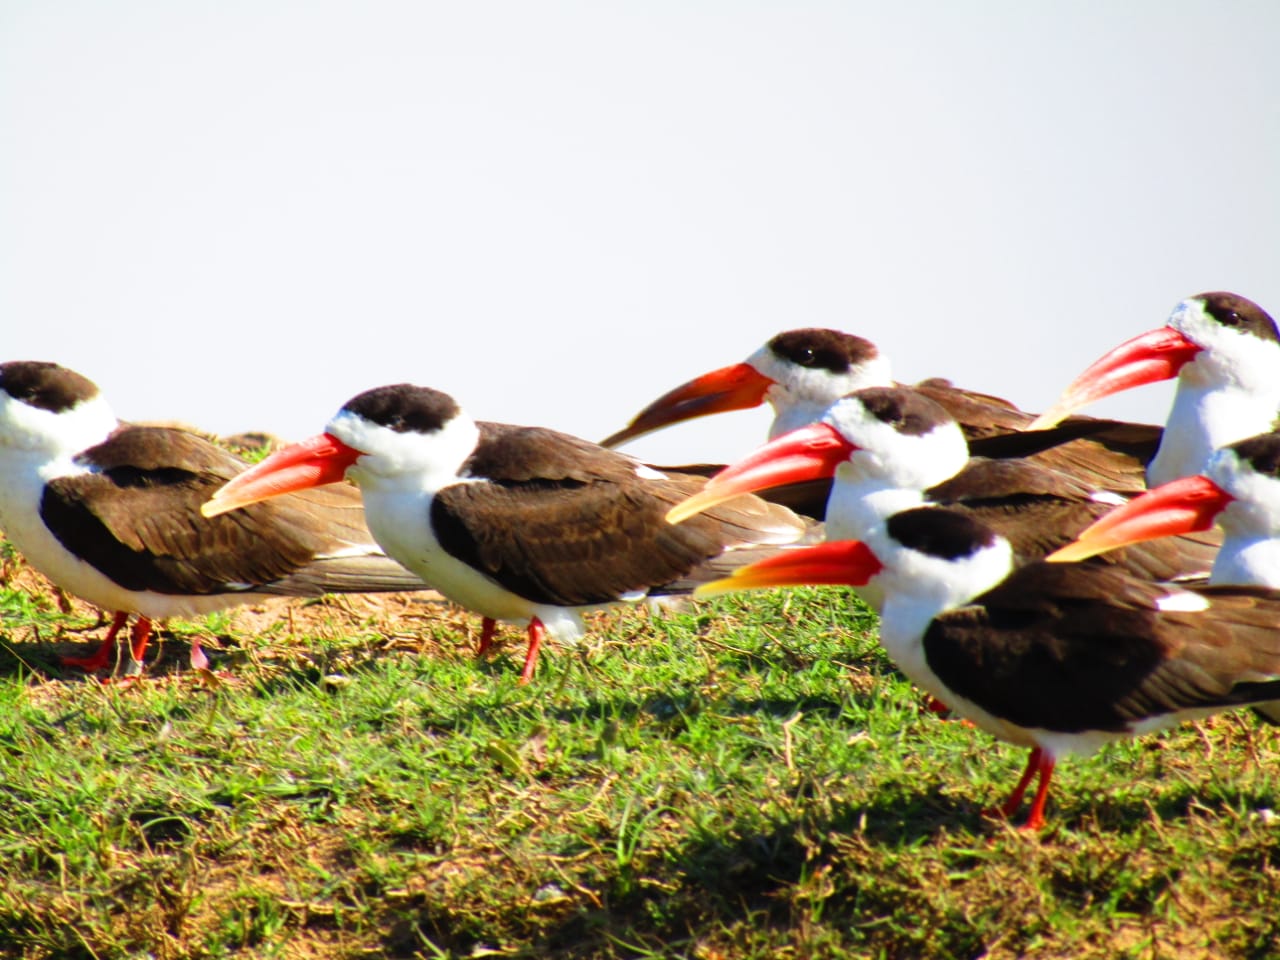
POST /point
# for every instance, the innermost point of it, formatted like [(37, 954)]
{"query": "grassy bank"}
[(747, 778)]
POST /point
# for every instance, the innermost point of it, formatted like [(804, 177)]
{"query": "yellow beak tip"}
[(212, 508), (1073, 552), (713, 589), (691, 507)]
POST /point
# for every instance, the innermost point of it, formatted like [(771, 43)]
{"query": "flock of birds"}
[(1059, 581)]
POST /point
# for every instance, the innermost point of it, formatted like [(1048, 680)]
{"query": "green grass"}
[(750, 778)]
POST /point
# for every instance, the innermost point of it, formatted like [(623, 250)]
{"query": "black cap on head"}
[(1240, 313), (1262, 453), (907, 411), (938, 532), (405, 408), (45, 386), (823, 349)]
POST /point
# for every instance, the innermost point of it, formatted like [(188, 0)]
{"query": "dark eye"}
[(806, 357), (1221, 309)]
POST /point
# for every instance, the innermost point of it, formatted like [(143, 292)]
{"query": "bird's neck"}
[(859, 505), (794, 414), (1248, 561), (1205, 418)]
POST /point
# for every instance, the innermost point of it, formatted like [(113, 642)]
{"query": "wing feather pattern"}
[(136, 517), (563, 521), (1071, 648)]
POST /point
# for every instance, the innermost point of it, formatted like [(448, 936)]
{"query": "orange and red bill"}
[(311, 463), (1187, 505), (1147, 358), (807, 453), (737, 387), (848, 563)]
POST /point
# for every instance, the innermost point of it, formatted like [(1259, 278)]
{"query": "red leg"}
[(488, 627), (1035, 820), (536, 633), (198, 659), (139, 639), (934, 705), (101, 658), (1010, 806)]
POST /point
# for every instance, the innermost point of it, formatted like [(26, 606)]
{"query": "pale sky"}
[(240, 214)]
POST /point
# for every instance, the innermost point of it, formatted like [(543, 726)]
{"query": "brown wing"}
[(1040, 510), (567, 522), (137, 519), (1070, 648), (1105, 454), (980, 406)]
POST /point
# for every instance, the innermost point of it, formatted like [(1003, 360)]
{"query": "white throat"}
[(860, 503), (1247, 561), (919, 588), (1206, 417)]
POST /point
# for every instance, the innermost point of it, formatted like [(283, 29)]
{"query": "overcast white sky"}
[(240, 214)]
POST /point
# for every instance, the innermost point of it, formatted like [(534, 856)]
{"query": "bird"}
[(1224, 351), (886, 449), (109, 511), (517, 523), (1057, 657), (801, 372), (1238, 490)]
